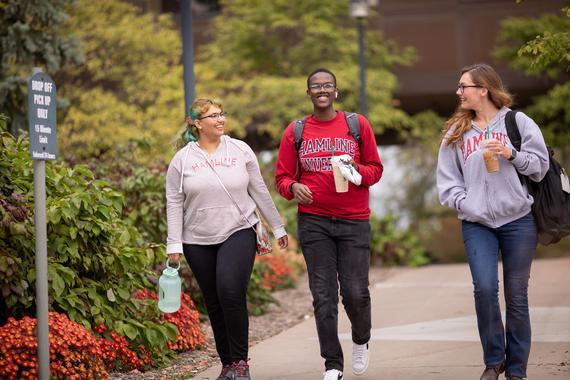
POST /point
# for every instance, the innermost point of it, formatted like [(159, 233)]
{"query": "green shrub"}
[(96, 260), (141, 181), (395, 246)]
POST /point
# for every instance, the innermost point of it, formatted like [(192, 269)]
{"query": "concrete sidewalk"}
[(424, 327)]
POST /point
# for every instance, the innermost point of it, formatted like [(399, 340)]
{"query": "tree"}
[(262, 52), (130, 85), (539, 46), (31, 34)]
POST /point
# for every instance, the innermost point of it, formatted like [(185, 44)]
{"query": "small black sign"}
[(42, 112)]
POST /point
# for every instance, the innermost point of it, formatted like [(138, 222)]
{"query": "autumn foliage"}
[(186, 319), (276, 272), (74, 351)]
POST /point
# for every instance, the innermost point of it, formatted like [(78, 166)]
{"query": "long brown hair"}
[(485, 76)]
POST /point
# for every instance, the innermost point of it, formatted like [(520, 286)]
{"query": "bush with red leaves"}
[(186, 319), (74, 351)]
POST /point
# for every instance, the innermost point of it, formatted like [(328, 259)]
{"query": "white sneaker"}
[(333, 374), (360, 358)]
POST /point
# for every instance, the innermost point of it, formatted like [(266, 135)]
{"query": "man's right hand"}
[(302, 193), (174, 258)]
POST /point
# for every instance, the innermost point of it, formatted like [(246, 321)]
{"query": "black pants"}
[(223, 271), (337, 251)]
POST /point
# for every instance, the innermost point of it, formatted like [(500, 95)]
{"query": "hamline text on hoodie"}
[(199, 211), (492, 199)]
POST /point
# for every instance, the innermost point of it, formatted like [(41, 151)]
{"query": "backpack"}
[(551, 207), (350, 117)]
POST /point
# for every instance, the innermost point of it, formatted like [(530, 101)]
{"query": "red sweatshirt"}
[(316, 170)]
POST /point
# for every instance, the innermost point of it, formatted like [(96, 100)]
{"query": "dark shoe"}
[(227, 373), (492, 373), (240, 370)]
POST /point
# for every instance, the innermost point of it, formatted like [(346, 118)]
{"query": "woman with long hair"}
[(495, 211)]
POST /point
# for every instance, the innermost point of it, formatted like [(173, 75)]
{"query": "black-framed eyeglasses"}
[(316, 87), (214, 116), (461, 87)]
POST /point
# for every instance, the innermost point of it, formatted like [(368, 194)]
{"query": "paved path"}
[(424, 328)]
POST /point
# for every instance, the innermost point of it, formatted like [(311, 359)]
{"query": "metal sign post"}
[(43, 146)]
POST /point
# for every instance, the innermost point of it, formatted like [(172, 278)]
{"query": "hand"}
[(283, 242), (497, 147), (302, 193), (352, 163), (174, 258)]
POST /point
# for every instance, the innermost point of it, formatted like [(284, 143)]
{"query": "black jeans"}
[(337, 251), (223, 271)]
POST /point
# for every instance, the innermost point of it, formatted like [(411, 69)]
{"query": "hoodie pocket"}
[(212, 222), (510, 198), (474, 207)]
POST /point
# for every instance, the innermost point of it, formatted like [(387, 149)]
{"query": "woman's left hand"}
[(283, 242)]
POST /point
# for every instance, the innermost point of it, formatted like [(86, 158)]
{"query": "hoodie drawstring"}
[(183, 166)]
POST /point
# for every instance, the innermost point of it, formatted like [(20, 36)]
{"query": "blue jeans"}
[(517, 243), (337, 251)]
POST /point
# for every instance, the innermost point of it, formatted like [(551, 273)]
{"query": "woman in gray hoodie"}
[(495, 210), (213, 186)]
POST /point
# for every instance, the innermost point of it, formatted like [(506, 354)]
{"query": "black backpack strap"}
[(514, 136), (298, 132), (513, 129), (353, 125)]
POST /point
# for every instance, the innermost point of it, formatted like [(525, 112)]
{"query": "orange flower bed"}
[(277, 274), (74, 351), (187, 319)]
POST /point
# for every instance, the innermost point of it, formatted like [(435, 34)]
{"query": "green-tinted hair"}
[(197, 109)]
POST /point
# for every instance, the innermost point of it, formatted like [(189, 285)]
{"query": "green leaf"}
[(154, 337), (130, 331), (124, 294), (58, 284), (125, 237)]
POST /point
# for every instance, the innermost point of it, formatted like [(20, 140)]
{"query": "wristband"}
[(291, 187)]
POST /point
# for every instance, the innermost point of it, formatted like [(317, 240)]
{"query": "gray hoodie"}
[(199, 211), (492, 199)]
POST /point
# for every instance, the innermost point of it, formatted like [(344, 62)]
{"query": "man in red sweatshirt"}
[(333, 228)]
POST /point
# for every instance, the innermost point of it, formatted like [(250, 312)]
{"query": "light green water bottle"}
[(169, 289)]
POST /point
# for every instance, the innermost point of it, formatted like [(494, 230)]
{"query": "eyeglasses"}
[(215, 116), (316, 87), (461, 87)]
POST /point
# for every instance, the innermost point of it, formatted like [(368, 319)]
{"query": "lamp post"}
[(359, 10), (187, 53)]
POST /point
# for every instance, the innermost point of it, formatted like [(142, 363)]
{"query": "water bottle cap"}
[(170, 271)]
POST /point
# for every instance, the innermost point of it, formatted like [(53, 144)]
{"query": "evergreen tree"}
[(31, 35)]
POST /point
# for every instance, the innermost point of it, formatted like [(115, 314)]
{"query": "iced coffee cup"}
[(491, 159), (340, 183)]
